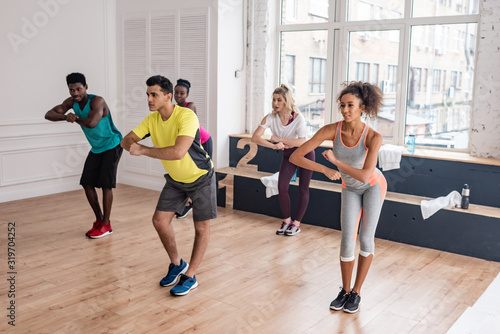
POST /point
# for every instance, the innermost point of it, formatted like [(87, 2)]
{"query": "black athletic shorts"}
[(100, 169)]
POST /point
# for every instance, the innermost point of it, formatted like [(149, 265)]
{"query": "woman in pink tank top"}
[(181, 93)]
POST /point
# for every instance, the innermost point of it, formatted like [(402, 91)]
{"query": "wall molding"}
[(34, 190), (150, 184), (23, 161)]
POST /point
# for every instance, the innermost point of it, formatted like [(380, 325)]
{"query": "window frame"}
[(338, 29)]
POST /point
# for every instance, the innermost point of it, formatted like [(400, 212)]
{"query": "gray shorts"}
[(203, 193)]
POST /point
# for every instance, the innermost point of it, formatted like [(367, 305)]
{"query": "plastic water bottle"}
[(465, 197), (294, 177), (411, 144)]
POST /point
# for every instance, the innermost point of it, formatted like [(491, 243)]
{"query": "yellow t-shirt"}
[(182, 122)]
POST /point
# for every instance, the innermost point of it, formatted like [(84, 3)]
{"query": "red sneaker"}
[(101, 230), (96, 223)]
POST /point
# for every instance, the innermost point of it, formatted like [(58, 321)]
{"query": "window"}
[(444, 80), (444, 8), (425, 77), (418, 35), (429, 92), (362, 72), (319, 8), (291, 10), (416, 77), (392, 72), (360, 62), (436, 81), (394, 36), (301, 52), (290, 71), (364, 11), (442, 127), (304, 11), (454, 79), (368, 10), (456, 40), (374, 76), (438, 40), (317, 73)]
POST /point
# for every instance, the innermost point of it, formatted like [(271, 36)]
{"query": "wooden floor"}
[(250, 281)]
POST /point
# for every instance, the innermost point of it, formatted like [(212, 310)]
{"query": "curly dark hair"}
[(74, 78), (370, 95)]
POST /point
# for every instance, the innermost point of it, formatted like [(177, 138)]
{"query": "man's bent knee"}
[(161, 219)]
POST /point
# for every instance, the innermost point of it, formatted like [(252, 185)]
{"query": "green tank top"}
[(104, 136)]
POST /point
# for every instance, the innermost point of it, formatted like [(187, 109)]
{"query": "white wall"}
[(43, 41), (231, 75), (47, 39), (226, 93), (262, 76)]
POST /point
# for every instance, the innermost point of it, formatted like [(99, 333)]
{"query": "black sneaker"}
[(185, 211), (352, 304), (338, 303)]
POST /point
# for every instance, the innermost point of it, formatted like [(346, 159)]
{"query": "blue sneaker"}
[(173, 273), (185, 284)]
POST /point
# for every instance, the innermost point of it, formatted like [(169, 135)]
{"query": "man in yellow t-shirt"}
[(175, 132)]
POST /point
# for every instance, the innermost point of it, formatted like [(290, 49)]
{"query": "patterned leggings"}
[(361, 208)]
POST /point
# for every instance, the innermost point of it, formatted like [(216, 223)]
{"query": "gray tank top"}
[(353, 156)]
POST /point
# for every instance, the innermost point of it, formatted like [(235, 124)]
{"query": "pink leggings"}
[(287, 169)]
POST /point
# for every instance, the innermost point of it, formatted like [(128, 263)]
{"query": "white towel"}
[(389, 156), (432, 206), (271, 183)]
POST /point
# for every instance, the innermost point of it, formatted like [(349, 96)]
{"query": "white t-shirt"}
[(294, 130)]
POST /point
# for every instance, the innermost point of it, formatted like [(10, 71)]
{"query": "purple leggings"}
[(287, 169)]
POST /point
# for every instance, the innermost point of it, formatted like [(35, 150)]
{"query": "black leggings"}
[(287, 169)]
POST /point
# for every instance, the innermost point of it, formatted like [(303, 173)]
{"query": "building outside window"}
[(429, 94), (317, 74), (362, 71), (436, 81), (425, 77), (290, 71), (291, 10), (392, 72), (374, 75), (319, 8), (417, 77)]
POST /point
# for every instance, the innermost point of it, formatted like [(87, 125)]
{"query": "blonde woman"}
[(288, 129)]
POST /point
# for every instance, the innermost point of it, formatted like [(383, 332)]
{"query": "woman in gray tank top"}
[(355, 153)]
